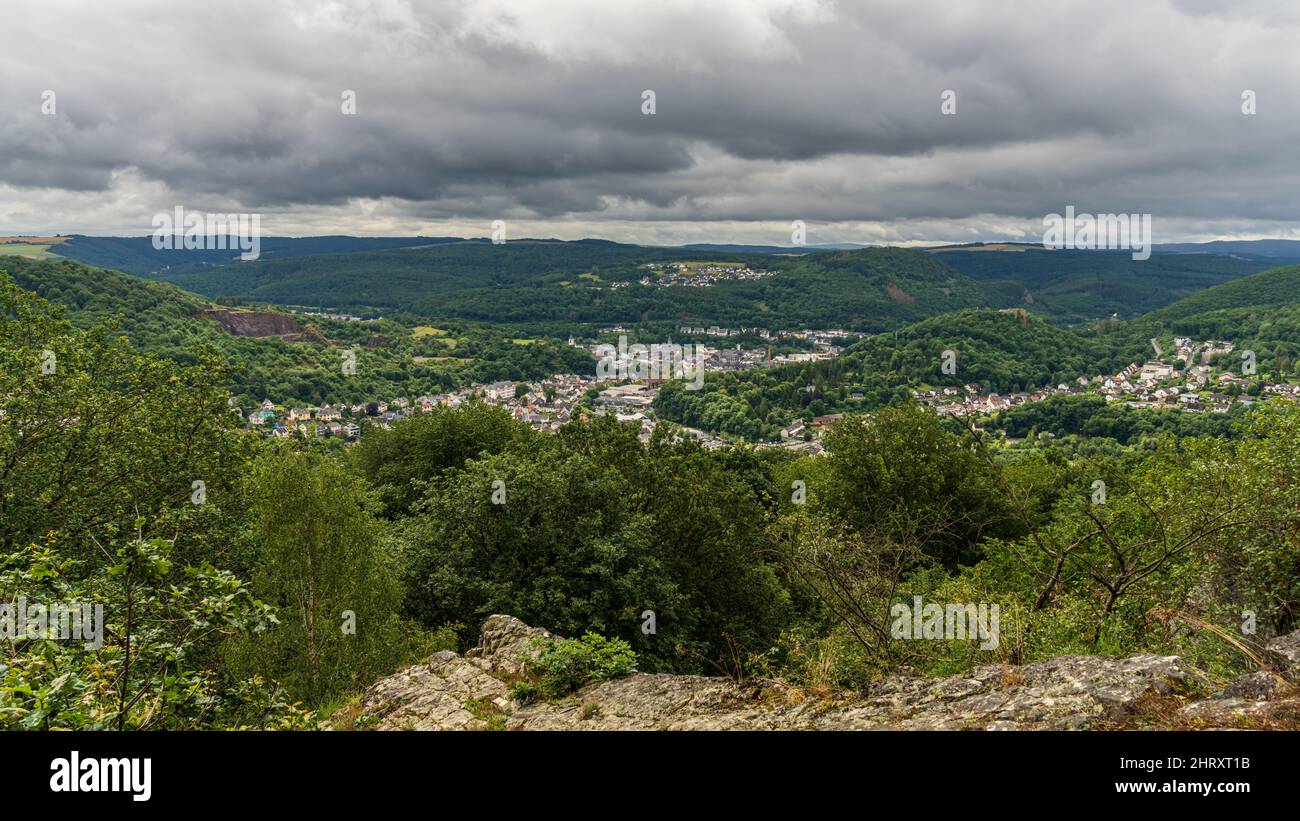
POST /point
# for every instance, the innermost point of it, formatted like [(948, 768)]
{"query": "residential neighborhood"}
[(548, 404), (545, 405), (697, 275), (1184, 379)]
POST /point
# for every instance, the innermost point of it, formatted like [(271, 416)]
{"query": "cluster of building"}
[(1185, 378), (1188, 382), (833, 337), (968, 400), (336, 317), (546, 405), (698, 275)]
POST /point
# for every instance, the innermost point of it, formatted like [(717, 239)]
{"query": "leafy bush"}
[(524, 691), (322, 564), (564, 665)]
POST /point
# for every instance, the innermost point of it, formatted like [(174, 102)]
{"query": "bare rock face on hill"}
[(259, 324), (451, 692)]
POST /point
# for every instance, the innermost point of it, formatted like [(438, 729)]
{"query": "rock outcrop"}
[(451, 692), (1261, 698), (259, 324)]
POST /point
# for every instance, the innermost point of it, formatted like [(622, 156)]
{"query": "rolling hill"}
[(548, 286), (1269, 289), (285, 357), (1277, 251), (551, 285), (1002, 351), (1260, 312), (136, 255), (1078, 286), (142, 309)]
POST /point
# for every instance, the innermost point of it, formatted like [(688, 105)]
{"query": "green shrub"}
[(564, 665), (524, 691)]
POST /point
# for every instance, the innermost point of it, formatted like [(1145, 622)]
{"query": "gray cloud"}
[(767, 111)]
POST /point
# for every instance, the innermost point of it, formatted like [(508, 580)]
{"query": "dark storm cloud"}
[(767, 111)]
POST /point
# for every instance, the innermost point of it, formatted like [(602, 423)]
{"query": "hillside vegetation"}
[(1001, 351), (136, 255), (1076, 286), (292, 358), (128, 482), (562, 283), (1273, 288), (596, 529)]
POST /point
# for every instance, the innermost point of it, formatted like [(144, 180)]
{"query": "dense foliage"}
[(563, 284), (1093, 416), (391, 358), (1076, 286), (1000, 351)]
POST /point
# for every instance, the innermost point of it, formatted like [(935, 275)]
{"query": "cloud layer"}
[(766, 111)]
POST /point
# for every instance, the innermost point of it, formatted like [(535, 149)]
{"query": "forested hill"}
[(550, 285), (1001, 351), (285, 357), (406, 277), (1261, 313), (596, 282), (869, 290), (89, 294), (1273, 288), (136, 255), (1079, 286)]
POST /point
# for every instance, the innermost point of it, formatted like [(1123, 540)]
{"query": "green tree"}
[(901, 460), (398, 462), (322, 564), (115, 491)]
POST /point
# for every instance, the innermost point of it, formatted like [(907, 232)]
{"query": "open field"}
[(23, 249), (35, 240), (29, 246)]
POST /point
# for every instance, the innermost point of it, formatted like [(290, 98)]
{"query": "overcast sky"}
[(766, 111)]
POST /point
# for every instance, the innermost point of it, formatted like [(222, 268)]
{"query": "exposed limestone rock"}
[(449, 692), (1226, 712), (444, 693), (1287, 649), (1257, 699), (503, 640), (1260, 685), (259, 324)]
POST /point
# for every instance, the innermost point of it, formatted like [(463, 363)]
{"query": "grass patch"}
[(23, 249), (345, 713), (485, 710)]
